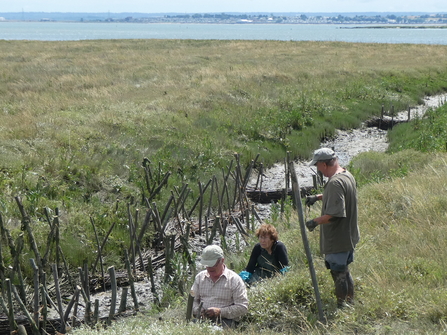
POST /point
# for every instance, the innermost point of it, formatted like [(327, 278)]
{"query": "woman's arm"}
[(253, 261), (281, 254)]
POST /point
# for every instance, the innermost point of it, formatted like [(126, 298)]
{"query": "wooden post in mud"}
[(132, 228), (26, 220), (150, 272), (96, 312), (34, 326), (189, 306), (255, 214), (70, 305), (315, 181), (284, 191), (114, 290), (299, 208), (208, 212), (92, 221), (219, 198), (123, 302), (225, 194), (17, 268), (409, 113), (130, 274), (36, 291), (2, 265), (102, 246), (200, 207), (206, 228), (60, 308), (86, 279), (44, 308), (392, 116), (11, 319)]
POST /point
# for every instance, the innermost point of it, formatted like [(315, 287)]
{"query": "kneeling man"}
[(219, 292)]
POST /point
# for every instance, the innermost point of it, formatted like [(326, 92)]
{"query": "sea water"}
[(63, 31)]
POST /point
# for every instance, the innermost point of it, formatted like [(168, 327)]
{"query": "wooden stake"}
[(11, 319), (150, 271), (70, 305), (60, 308), (189, 307), (44, 312), (299, 207), (18, 269), (200, 207), (114, 290), (123, 302), (102, 245), (131, 237), (131, 281), (96, 312), (92, 221), (36, 291), (26, 227), (34, 327)]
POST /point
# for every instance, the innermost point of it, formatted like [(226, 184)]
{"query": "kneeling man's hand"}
[(212, 312)]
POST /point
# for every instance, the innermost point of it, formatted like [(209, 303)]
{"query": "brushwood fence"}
[(26, 303)]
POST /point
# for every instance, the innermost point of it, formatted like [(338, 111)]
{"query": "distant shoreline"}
[(353, 25), (409, 26)]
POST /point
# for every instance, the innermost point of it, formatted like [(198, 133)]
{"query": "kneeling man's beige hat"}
[(211, 254)]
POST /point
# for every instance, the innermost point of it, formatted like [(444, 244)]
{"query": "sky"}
[(223, 6)]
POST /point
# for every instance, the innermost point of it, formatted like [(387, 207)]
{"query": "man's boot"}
[(350, 296), (344, 287)]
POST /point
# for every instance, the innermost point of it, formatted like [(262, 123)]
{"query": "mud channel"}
[(346, 144)]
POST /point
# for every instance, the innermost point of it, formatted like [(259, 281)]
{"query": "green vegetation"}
[(399, 269), (77, 119)]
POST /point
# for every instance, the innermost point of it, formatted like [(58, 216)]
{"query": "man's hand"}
[(311, 224), (212, 312), (311, 199)]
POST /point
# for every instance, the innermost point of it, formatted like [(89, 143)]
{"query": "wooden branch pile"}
[(26, 305)]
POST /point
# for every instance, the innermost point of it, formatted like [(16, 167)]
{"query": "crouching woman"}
[(268, 257)]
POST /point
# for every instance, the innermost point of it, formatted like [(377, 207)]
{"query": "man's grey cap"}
[(322, 154), (211, 254)]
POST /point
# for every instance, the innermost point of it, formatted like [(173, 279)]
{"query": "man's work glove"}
[(311, 224), (311, 199)]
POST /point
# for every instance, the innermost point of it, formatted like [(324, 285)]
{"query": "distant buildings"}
[(235, 18)]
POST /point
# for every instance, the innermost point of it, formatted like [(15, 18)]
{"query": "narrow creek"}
[(346, 144)]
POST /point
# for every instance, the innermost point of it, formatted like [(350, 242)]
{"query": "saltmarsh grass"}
[(78, 117)]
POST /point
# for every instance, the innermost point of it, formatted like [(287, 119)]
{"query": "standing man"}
[(219, 293), (339, 232)]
